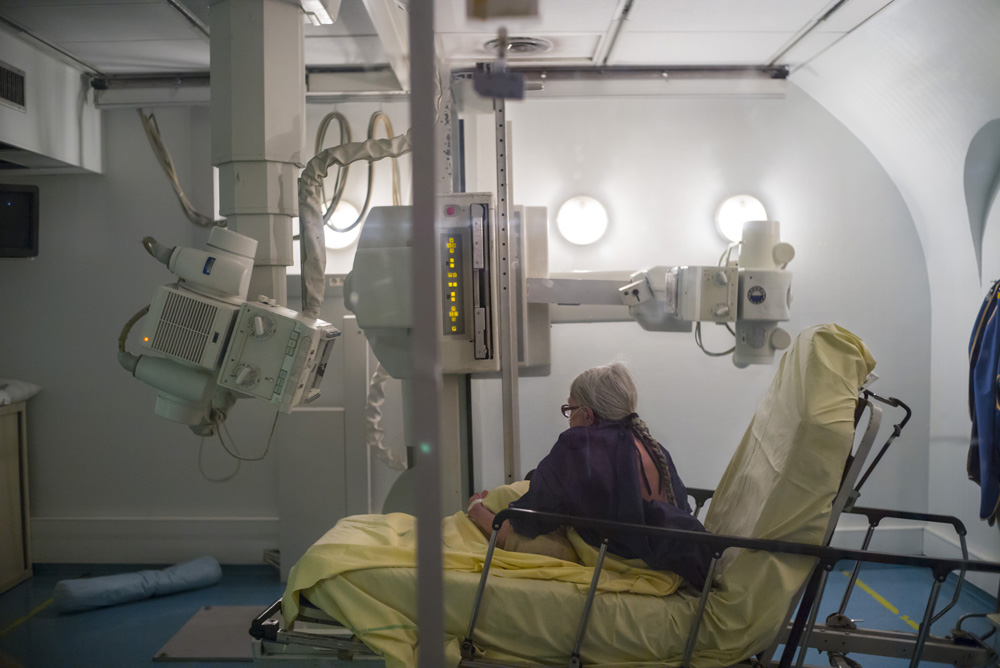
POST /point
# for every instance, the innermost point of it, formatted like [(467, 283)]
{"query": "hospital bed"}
[(353, 595)]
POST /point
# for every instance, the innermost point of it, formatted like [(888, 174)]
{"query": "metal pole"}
[(508, 312), (482, 587), (925, 625), (696, 624), (426, 409), (804, 647), (575, 657), (854, 573)]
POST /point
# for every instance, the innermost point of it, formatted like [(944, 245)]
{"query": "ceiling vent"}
[(11, 86), (520, 46)]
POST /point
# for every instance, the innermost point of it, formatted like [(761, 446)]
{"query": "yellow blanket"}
[(366, 542), (779, 485)]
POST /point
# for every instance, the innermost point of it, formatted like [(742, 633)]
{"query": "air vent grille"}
[(184, 327), (11, 86)]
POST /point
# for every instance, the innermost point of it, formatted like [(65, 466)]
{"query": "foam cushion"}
[(89, 593)]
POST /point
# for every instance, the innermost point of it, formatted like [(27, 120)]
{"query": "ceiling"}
[(136, 37)]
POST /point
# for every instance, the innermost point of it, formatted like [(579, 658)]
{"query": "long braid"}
[(656, 452), (610, 393)]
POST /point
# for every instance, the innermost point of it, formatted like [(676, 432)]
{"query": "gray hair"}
[(610, 392)]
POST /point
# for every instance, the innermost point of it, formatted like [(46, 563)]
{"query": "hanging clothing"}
[(983, 463), (594, 472)]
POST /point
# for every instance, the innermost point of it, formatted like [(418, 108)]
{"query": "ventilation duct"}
[(11, 86)]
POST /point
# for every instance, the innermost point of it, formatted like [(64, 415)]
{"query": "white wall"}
[(110, 480), (915, 84), (661, 166)]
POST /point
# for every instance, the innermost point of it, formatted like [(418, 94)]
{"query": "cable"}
[(373, 418), (201, 466), (387, 124), (128, 328), (312, 248), (220, 425), (372, 127), (163, 157), (697, 339), (726, 254), (345, 137)]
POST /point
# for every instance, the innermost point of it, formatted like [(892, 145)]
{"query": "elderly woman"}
[(607, 466)]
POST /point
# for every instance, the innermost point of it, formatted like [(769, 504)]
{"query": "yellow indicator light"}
[(145, 339)]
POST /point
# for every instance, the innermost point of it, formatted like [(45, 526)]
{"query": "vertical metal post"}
[(804, 647), (508, 313), (426, 422), (854, 573), (925, 625), (696, 624), (582, 629), (481, 588)]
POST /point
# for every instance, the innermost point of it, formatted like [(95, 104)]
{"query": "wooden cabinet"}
[(15, 548)]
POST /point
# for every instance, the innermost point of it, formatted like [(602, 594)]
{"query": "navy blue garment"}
[(984, 371), (593, 472)]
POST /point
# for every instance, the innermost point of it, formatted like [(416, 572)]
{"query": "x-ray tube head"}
[(765, 293)]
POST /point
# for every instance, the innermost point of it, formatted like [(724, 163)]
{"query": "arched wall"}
[(661, 166), (915, 84)]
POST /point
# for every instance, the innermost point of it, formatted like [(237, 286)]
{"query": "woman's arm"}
[(482, 517)]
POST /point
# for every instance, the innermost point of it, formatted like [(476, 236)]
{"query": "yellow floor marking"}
[(889, 606), (878, 597), (22, 620)]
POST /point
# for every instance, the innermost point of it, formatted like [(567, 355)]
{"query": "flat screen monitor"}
[(18, 220)]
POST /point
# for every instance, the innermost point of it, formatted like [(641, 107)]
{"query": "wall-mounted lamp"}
[(582, 220), (734, 212), (345, 214)]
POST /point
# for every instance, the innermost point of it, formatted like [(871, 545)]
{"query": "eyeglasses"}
[(567, 410)]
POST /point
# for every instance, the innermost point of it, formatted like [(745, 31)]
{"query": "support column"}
[(258, 128)]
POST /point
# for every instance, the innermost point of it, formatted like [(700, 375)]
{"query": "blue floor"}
[(32, 634), (893, 598)]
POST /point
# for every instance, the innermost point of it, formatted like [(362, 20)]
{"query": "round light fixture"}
[(582, 220), (734, 212), (344, 215), (520, 46)]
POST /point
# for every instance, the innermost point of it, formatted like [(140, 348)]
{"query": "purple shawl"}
[(593, 472)]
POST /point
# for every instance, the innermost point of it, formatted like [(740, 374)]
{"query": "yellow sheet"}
[(780, 485)]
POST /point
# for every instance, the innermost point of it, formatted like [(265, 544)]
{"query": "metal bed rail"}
[(805, 621)]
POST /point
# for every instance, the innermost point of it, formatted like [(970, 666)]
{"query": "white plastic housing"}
[(222, 271), (184, 392), (188, 326), (277, 355)]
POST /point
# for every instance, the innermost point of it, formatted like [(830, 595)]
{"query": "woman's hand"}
[(480, 514), (476, 499)]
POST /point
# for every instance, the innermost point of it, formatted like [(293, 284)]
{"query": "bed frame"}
[(322, 640)]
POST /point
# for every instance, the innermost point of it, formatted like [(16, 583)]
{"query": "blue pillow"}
[(89, 593)]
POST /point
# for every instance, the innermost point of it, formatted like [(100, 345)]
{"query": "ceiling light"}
[(520, 46), (582, 220), (735, 211), (321, 12), (343, 216)]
